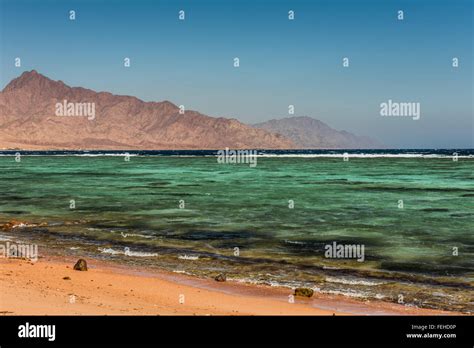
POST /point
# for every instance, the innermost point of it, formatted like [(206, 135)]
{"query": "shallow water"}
[(132, 212)]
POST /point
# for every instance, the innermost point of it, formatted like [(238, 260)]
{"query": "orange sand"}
[(28, 288)]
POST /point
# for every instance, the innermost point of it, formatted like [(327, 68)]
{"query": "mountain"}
[(29, 120), (309, 133)]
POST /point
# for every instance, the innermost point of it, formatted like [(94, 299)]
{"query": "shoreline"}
[(50, 286)]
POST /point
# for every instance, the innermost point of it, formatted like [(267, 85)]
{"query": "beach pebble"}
[(305, 292), (220, 278), (81, 265)]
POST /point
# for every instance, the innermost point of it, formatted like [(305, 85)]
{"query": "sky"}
[(282, 62)]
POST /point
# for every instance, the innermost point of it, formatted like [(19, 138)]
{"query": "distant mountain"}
[(309, 133), (29, 120)]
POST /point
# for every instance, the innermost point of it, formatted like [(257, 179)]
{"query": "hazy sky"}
[(282, 62)]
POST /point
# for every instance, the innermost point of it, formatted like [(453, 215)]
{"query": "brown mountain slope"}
[(28, 120)]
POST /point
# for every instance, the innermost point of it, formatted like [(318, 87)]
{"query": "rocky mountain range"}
[(29, 120), (38, 113)]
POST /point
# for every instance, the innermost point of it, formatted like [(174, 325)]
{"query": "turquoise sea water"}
[(190, 214)]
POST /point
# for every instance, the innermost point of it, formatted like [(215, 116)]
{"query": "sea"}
[(410, 211)]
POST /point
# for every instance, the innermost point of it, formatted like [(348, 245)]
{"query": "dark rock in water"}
[(434, 210), (304, 292), (39, 230), (16, 212), (81, 265), (220, 278)]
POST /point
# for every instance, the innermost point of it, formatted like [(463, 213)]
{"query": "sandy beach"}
[(51, 286)]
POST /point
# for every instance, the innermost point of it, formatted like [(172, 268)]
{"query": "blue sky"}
[(282, 62)]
